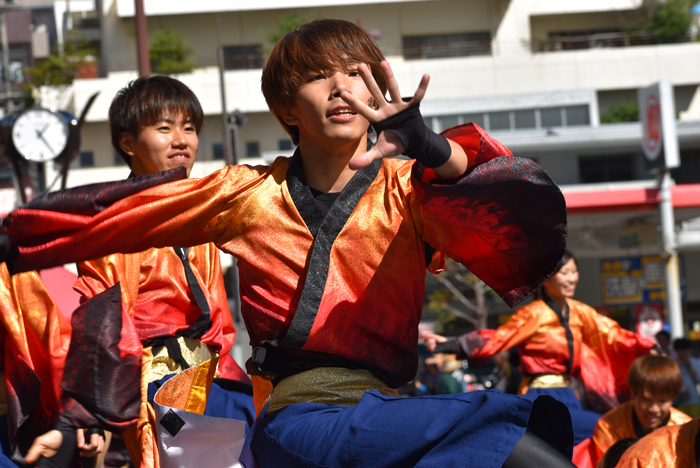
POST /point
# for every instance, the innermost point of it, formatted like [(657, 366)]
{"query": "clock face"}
[(40, 135)]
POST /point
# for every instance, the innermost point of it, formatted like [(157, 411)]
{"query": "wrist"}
[(420, 143)]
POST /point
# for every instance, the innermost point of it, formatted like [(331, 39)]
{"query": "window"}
[(594, 169), (499, 121), (476, 118), (87, 159), (576, 115), (118, 161), (252, 148), (446, 45), (550, 117), (243, 57), (218, 151), (689, 172), (525, 119), (284, 145), (448, 121)]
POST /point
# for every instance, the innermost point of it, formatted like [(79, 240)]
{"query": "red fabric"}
[(584, 454)]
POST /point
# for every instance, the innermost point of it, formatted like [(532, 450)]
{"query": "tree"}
[(623, 112), (284, 25), (170, 53), (463, 296), (60, 67), (668, 20)]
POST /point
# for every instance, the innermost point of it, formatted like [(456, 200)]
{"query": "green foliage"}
[(170, 53), (285, 25), (624, 112), (60, 67), (669, 20)]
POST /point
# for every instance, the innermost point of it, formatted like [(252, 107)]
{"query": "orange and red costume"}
[(618, 424), (671, 446), (35, 337), (344, 290), (602, 350)]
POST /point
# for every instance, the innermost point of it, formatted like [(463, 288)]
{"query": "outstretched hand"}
[(388, 144)]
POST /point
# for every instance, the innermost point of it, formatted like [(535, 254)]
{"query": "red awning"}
[(629, 199)]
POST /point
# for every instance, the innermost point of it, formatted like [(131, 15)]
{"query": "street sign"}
[(657, 113)]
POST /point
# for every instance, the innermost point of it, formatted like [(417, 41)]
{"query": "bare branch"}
[(458, 294), (462, 315)]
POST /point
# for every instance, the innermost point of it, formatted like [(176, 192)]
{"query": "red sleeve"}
[(504, 219)]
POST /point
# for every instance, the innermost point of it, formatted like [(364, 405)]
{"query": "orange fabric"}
[(141, 438), (618, 424), (584, 454), (158, 310), (262, 388), (36, 338), (603, 351), (188, 390), (668, 447)]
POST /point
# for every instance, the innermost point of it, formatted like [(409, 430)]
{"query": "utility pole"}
[(225, 132), (9, 104), (144, 57)]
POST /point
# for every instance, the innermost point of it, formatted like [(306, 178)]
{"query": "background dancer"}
[(332, 290), (654, 381), (171, 302), (559, 337)]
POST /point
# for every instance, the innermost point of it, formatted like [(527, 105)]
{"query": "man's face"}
[(168, 143), (320, 113), (651, 411)]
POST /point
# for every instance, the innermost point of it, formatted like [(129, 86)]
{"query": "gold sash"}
[(327, 385), (550, 381), (195, 352)]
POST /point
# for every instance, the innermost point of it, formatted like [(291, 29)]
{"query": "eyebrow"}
[(171, 121)]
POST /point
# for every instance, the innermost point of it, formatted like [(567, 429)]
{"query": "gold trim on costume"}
[(550, 381), (195, 352), (328, 385)]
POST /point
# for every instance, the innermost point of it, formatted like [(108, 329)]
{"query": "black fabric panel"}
[(563, 315), (282, 363), (89, 200), (301, 194), (327, 231), (533, 452), (172, 423), (101, 386), (23, 394), (203, 322)]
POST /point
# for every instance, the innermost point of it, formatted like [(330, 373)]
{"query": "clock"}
[(40, 135)]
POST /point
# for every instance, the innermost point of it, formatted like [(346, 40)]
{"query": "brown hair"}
[(145, 100), (658, 376), (320, 45)]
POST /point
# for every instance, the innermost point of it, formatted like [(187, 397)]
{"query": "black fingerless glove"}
[(65, 456), (420, 143), (95, 430), (448, 347)]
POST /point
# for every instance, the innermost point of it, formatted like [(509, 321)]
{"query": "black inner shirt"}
[(324, 200)]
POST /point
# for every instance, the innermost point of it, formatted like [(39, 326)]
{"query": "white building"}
[(537, 74)]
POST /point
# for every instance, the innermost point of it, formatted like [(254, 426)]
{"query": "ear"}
[(127, 142), (290, 118)]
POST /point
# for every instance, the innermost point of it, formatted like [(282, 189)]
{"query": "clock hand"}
[(41, 132), (41, 137)]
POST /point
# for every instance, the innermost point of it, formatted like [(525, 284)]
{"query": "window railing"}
[(576, 41)]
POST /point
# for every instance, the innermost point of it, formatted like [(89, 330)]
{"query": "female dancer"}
[(559, 338)]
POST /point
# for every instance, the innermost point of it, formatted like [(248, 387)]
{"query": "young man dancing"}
[(332, 246), (168, 306)]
